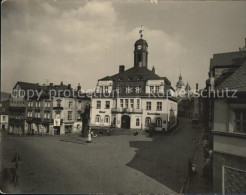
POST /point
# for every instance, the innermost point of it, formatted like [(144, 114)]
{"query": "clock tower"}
[(141, 53)]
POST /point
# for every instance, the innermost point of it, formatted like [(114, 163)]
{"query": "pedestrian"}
[(89, 136)]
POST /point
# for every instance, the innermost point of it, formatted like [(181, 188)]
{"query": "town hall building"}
[(136, 98)]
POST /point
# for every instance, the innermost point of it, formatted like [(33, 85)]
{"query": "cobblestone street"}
[(110, 164)]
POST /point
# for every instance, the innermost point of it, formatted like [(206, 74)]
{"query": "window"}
[(137, 122), (138, 89), (147, 121), (29, 114), (148, 105), (106, 120), (79, 117), (107, 104), (37, 114), (38, 104), (151, 89), (159, 106), (121, 103), (240, 121), (47, 115), (128, 89), (158, 122), (138, 103), (101, 89), (98, 104), (132, 103), (69, 115), (139, 58), (58, 103), (4, 118), (126, 103), (47, 104), (118, 89), (106, 89), (98, 118), (157, 89), (70, 104)]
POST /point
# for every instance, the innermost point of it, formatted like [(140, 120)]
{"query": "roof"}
[(141, 42), (25, 85), (236, 81), (134, 74), (227, 59)]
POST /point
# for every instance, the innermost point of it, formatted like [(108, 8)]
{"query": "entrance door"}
[(125, 122)]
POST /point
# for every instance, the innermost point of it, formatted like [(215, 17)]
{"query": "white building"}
[(134, 98)]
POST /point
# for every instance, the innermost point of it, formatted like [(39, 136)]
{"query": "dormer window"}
[(106, 89), (128, 89), (118, 89), (151, 89), (138, 89), (101, 89), (157, 89)]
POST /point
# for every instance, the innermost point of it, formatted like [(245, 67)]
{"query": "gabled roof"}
[(236, 81), (134, 74), (25, 85)]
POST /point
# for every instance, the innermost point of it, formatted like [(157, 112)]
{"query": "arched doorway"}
[(125, 122)]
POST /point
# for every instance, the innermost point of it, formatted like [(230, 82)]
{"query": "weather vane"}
[(141, 32)]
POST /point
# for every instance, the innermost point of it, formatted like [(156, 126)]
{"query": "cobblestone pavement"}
[(110, 164)]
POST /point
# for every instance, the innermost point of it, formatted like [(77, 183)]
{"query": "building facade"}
[(227, 120), (134, 98), (4, 115), (48, 113)]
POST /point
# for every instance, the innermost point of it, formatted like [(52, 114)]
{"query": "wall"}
[(102, 112), (221, 115)]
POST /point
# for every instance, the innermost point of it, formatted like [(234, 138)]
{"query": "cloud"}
[(78, 45)]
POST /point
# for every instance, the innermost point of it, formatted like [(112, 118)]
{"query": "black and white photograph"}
[(123, 97)]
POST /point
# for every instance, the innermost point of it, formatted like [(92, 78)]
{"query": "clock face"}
[(139, 47)]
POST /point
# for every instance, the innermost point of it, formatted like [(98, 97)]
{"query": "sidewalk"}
[(198, 184)]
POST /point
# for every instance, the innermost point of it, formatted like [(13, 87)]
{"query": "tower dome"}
[(141, 42)]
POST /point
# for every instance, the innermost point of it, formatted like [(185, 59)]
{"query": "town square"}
[(123, 97)]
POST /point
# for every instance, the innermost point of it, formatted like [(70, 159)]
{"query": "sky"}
[(74, 41)]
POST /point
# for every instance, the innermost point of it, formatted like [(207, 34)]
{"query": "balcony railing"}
[(126, 110)]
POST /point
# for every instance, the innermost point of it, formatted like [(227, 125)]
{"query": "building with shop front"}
[(57, 110), (227, 120), (134, 98)]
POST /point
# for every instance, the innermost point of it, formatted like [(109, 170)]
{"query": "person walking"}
[(89, 136)]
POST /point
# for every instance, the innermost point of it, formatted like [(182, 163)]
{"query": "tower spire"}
[(141, 32)]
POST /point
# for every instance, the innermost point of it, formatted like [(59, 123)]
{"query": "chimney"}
[(121, 68), (51, 84), (69, 86), (62, 83), (79, 87), (153, 69), (196, 86)]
